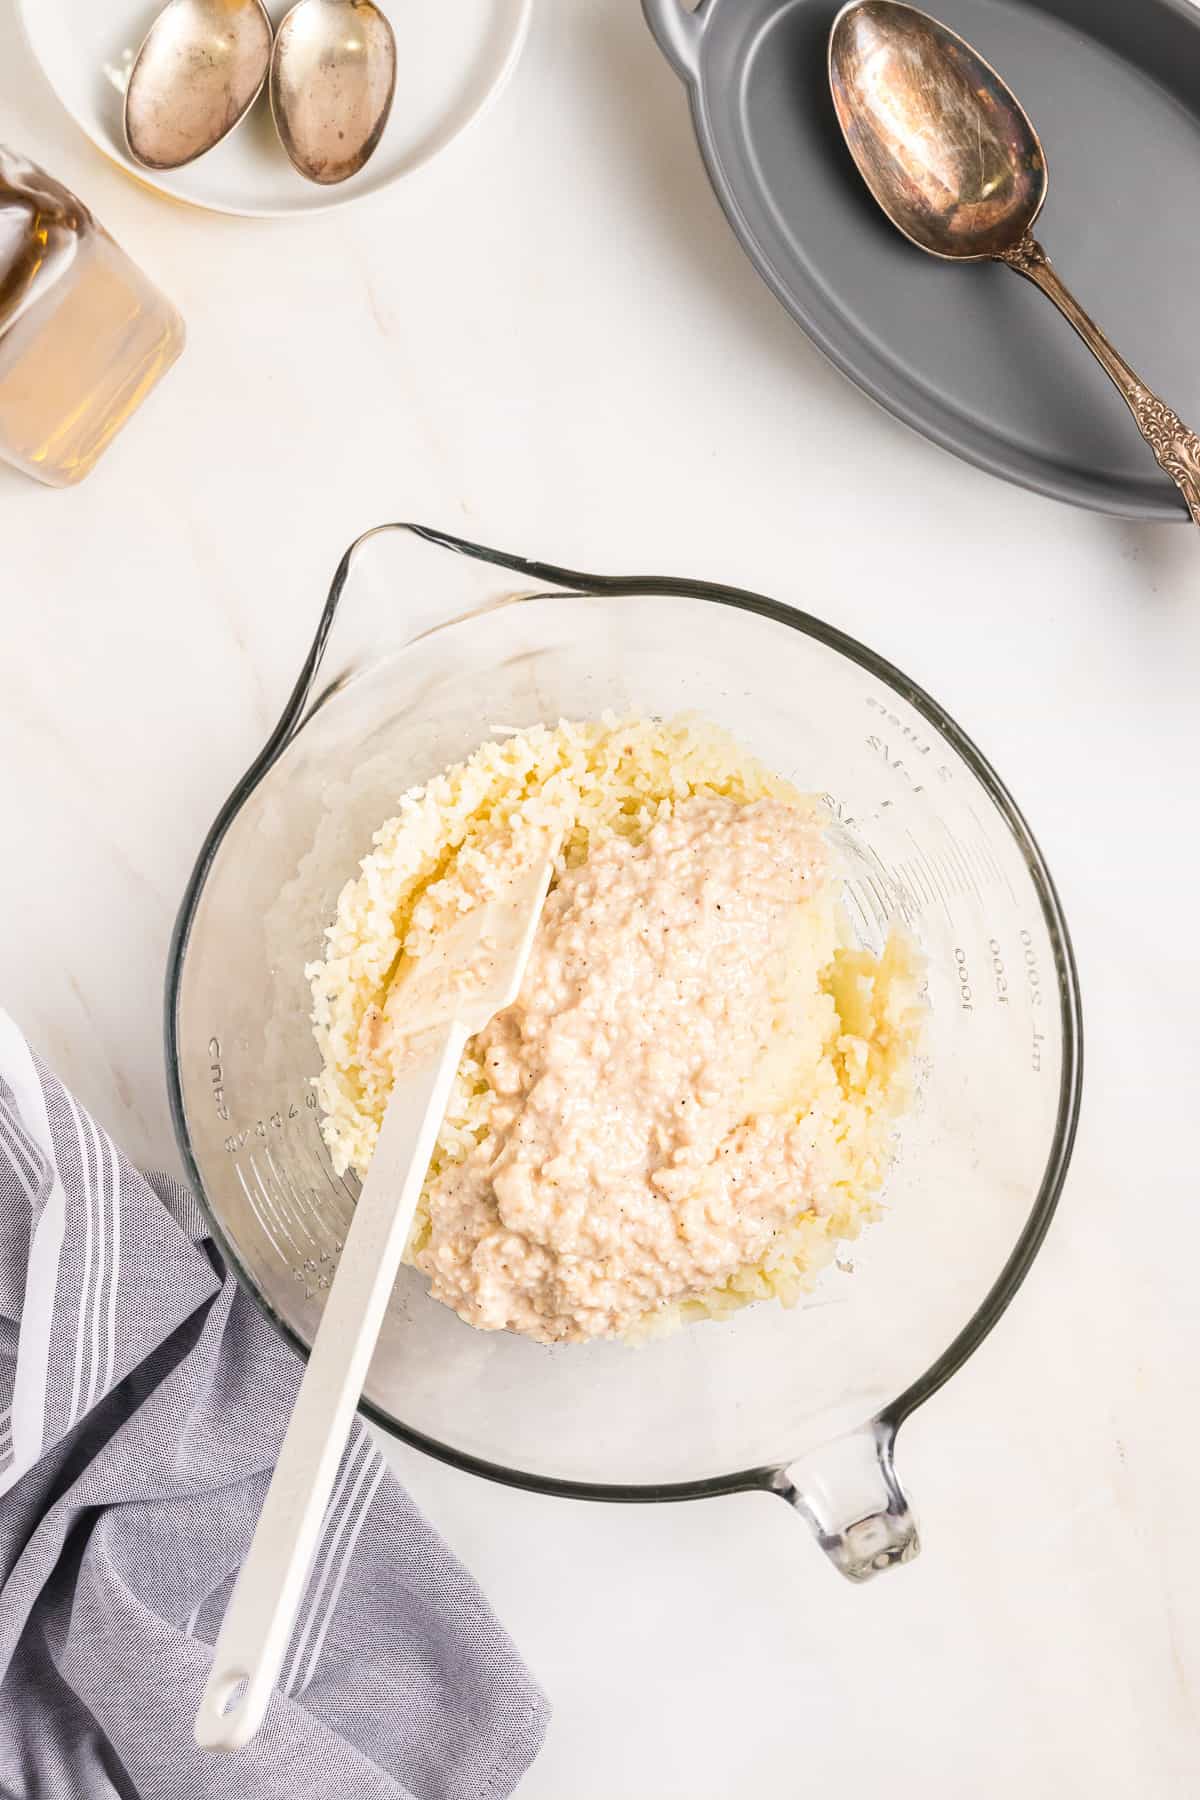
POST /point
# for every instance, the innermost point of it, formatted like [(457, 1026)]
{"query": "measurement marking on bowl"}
[(1033, 981), (266, 1205), (272, 1194), (966, 994), (278, 1193), (314, 1244), (883, 911), (929, 875), (964, 876), (987, 870), (237, 1140), (951, 871), (981, 876), (945, 885), (283, 1186), (312, 1208), (285, 1256), (912, 900), (338, 1198), (945, 871), (217, 1076), (998, 871), (919, 882), (968, 880), (852, 893), (961, 882), (936, 878), (908, 896), (934, 882), (311, 1218)]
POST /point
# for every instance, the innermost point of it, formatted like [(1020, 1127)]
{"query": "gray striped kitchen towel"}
[(143, 1399)]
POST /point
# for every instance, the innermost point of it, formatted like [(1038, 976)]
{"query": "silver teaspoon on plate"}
[(333, 75), (955, 163), (200, 69)]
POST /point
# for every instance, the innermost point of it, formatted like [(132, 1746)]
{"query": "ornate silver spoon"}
[(955, 163)]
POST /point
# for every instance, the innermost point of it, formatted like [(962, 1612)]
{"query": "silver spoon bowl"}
[(333, 76), (955, 163), (200, 69)]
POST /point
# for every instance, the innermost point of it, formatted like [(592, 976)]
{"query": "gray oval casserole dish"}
[(972, 359)]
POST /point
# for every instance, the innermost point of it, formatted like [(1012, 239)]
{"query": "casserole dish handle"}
[(677, 31)]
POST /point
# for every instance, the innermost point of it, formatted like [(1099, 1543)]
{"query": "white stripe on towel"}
[(101, 1263), (343, 1567), (10, 1137), (354, 1470), (45, 1255), (111, 1333), (85, 1181)]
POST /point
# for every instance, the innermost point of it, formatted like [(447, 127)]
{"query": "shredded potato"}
[(845, 1064)]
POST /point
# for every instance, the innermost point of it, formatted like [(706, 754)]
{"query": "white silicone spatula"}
[(447, 997)]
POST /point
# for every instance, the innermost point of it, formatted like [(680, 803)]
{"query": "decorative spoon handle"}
[(1177, 448)]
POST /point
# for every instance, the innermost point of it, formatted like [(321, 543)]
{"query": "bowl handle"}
[(677, 31), (849, 1493)]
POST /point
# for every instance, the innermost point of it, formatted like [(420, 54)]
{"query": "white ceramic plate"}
[(453, 57)]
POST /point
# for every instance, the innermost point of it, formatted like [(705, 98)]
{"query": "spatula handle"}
[(262, 1609)]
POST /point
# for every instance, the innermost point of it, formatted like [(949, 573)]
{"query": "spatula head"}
[(476, 968)]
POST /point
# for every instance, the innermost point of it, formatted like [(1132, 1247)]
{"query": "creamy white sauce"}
[(640, 1146)]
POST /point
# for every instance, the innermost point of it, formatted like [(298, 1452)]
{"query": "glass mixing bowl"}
[(426, 645)]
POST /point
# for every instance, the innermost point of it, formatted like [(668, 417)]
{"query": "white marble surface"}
[(550, 341)]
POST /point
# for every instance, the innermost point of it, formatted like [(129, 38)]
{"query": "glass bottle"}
[(83, 335)]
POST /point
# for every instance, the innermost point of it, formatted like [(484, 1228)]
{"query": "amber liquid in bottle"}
[(84, 335)]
